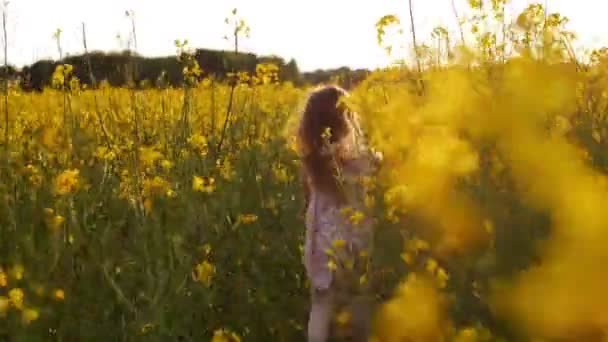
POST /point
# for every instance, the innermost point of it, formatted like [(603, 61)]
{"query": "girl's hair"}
[(328, 130)]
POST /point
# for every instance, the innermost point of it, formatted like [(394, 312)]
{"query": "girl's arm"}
[(377, 156), (366, 162), (306, 193)]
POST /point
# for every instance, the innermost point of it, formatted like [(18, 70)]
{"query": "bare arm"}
[(306, 187), (364, 163)]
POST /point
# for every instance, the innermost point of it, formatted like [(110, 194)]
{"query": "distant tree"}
[(114, 67)]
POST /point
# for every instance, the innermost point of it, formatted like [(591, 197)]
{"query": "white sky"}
[(317, 33)]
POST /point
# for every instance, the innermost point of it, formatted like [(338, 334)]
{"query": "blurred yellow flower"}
[(442, 277), (407, 258), (281, 173), (59, 294), (247, 218), (420, 245), (199, 143), (149, 155), (222, 335), (203, 184), (67, 182), (206, 249), (16, 297), (18, 271), (431, 266), (55, 222), (3, 278), (337, 244), (363, 279), (467, 335), (156, 186), (146, 328), (166, 165), (331, 265), (415, 313), (226, 169), (369, 201), (29, 315), (171, 194), (344, 317), (357, 217), (204, 273), (148, 205), (104, 153)]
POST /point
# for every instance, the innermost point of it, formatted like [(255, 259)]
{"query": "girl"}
[(335, 160)]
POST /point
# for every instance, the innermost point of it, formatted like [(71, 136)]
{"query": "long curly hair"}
[(327, 132)]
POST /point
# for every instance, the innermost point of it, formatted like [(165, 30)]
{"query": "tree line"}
[(120, 68)]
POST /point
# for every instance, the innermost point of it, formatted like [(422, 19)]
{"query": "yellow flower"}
[(18, 271), (3, 279), (467, 334), (59, 294), (407, 258), (349, 265), (55, 222), (357, 217), (204, 273), (431, 266), (346, 211), (337, 244), (166, 165), (222, 335), (30, 315), (225, 167), (421, 245), (326, 135), (369, 201), (16, 298), (148, 204), (199, 143), (155, 186), (206, 249), (103, 153), (248, 218), (442, 277), (281, 173), (148, 155), (67, 182), (343, 317), (332, 265), (203, 184), (146, 328), (488, 226)]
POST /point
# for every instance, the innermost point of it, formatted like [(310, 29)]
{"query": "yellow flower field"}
[(175, 214)]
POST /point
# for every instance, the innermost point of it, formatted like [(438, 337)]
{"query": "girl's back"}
[(332, 223), (338, 228)]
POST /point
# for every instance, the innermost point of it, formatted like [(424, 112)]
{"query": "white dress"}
[(335, 236)]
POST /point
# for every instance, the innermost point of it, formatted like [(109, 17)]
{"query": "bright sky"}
[(317, 33)]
